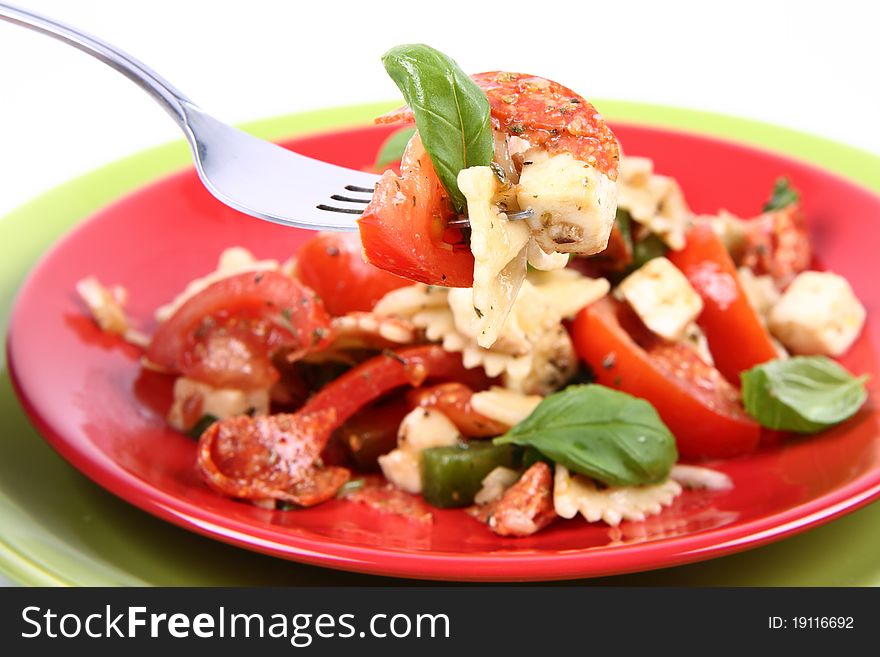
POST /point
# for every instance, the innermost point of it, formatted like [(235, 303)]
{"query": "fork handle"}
[(172, 100)]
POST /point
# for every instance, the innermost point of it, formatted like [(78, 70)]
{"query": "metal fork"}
[(249, 174)]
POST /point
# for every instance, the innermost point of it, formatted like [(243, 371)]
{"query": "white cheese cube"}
[(574, 203), (817, 314), (420, 429), (662, 297), (426, 427)]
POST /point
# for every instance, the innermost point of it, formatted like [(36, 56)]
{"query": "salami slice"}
[(545, 114)]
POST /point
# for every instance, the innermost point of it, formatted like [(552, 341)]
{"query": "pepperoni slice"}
[(545, 114), (525, 508), (273, 457)]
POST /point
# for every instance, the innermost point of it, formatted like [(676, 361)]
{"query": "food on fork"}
[(491, 145), (539, 328)]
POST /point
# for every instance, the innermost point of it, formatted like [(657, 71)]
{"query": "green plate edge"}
[(58, 528)]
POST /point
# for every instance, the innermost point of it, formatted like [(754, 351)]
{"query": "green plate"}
[(58, 528)]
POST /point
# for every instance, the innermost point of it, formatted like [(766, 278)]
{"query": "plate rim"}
[(338, 118)]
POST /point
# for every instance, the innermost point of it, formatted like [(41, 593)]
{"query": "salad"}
[(529, 325)]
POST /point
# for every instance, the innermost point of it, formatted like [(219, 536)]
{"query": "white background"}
[(813, 66)]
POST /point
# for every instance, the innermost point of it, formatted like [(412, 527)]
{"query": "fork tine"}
[(338, 197), (355, 188), (330, 208)]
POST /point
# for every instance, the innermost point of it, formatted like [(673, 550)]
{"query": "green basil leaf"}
[(602, 433), (624, 223), (392, 149), (201, 426), (647, 249), (451, 111), (783, 195), (804, 394)]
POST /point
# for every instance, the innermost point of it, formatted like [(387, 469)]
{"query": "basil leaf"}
[(451, 111), (392, 149), (602, 433), (647, 249), (201, 426), (783, 195), (804, 394), (624, 223)]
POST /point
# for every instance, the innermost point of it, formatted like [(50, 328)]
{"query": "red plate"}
[(88, 396)]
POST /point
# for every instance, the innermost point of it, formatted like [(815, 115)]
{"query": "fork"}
[(249, 174)]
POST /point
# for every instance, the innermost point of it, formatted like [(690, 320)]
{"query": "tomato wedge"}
[(226, 334), (403, 229), (332, 264), (694, 400), (737, 337)]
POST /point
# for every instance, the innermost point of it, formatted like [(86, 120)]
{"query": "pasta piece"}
[(495, 484), (369, 329), (406, 301), (106, 306), (542, 261), (567, 291), (696, 477), (505, 406), (656, 202), (533, 352), (193, 400), (573, 494), (499, 248)]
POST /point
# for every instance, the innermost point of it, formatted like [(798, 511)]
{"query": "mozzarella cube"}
[(574, 204), (420, 429), (817, 314), (423, 428), (662, 297), (403, 469)]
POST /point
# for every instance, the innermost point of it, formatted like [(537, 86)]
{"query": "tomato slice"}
[(454, 401), (697, 404), (737, 337), (333, 265), (227, 334), (403, 227)]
